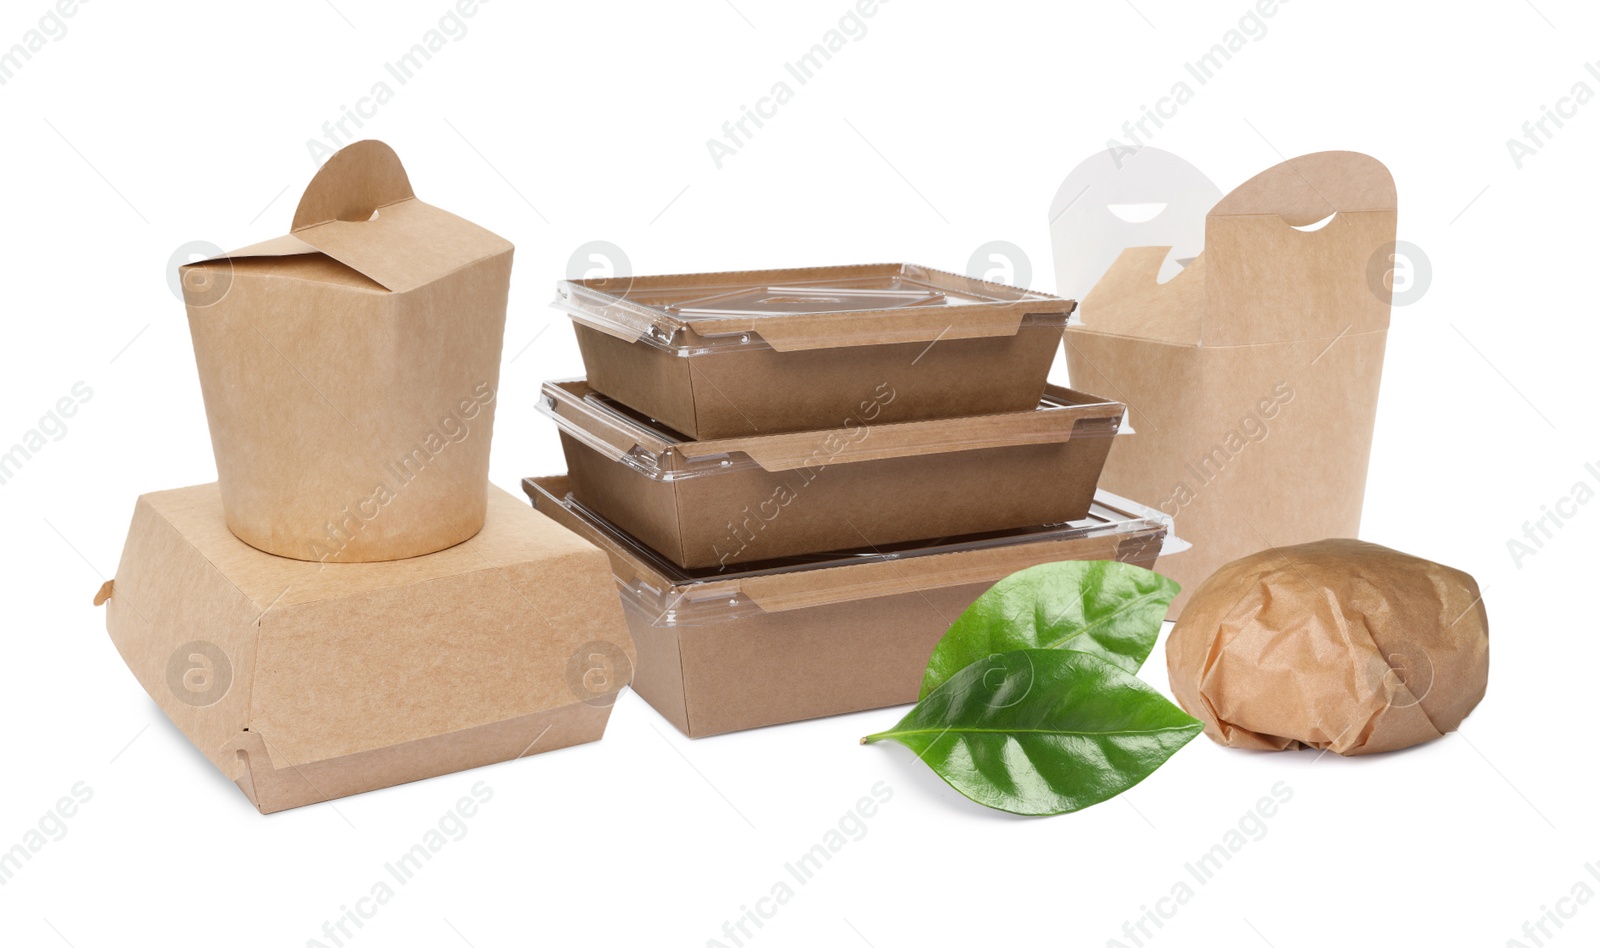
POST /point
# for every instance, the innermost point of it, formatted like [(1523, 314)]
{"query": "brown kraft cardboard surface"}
[(1251, 377), (787, 644), (349, 369), (303, 682), (735, 500), (979, 348)]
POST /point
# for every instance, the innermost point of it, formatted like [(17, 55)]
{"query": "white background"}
[(946, 126)]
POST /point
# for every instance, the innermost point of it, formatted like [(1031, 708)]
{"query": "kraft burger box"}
[(1251, 377), (722, 502), (717, 355), (352, 606), (304, 682), (809, 636), (351, 366)]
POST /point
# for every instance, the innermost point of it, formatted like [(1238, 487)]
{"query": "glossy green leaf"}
[(1043, 731), (1102, 607)]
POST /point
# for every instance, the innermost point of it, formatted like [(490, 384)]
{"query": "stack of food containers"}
[(802, 477)]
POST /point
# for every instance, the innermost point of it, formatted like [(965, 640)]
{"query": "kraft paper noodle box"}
[(1251, 377), (807, 637), (351, 366), (304, 682), (717, 355), (728, 501)]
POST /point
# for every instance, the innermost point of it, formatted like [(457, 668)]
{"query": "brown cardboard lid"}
[(279, 581), (805, 308), (359, 209), (667, 594), (663, 454)]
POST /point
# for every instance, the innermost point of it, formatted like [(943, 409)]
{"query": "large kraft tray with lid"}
[(810, 636)]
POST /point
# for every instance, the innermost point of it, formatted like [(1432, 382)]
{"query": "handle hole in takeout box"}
[(1315, 225), (1136, 213), (358, 216)]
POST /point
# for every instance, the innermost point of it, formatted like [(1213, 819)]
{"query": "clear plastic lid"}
[(812, 308), (668, 594), (662, 454), (795, 299)]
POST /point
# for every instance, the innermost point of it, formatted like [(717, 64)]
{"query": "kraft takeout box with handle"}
[(1251, 377), (349, 369), (808, 637), (718, 355), (721, 502), (304, 682)]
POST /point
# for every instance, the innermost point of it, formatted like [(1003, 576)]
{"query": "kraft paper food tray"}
[(303, 682), (349, 369), (1252, 375), (768, 351), (734, 500), (814, 636)]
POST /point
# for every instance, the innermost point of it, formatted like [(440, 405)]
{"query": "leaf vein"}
[(1015, 731)]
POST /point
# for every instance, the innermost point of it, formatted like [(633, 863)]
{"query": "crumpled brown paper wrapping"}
[(1337, 644)]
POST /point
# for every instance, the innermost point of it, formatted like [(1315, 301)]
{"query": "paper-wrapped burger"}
[(1338, 644)]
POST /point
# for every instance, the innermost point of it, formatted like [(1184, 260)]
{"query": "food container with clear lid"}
[(810, 636), (868, 482), (716, 355)]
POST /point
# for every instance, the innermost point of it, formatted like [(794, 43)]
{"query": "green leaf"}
[(1043, 731), (1102, 607)]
